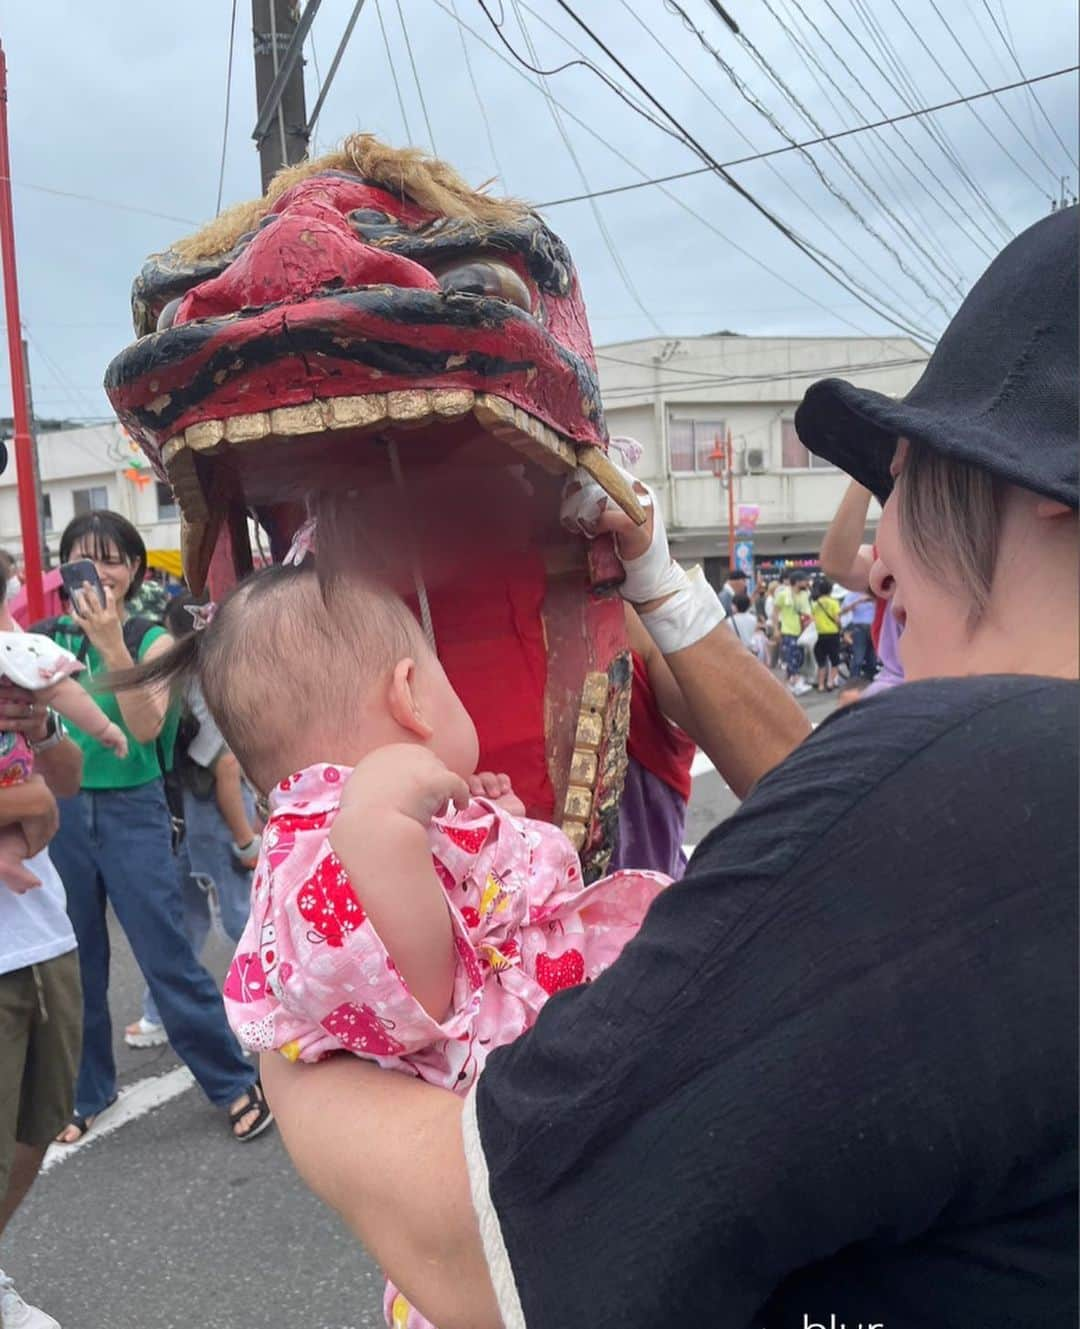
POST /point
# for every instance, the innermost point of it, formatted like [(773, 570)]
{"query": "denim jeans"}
[(113, 847), (206, 862), (863, 659)]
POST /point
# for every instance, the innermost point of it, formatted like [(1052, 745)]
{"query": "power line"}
[(228, 99), (601, 225), (480, 101), (1031, 92), (911, 96), (416, 77), (104, 202), (934, 132), (804, 203), (816, 256), (982, 79), (746, 380), (877, 151), (807, 143), (808, 116), (952, 84), (707, 223), (324, 88), (393, 72)]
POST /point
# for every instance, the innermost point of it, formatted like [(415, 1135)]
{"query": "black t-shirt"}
[(836, 1073)]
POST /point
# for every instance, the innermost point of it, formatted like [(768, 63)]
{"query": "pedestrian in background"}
[(40, 999), (792, 614), (220, 845), (114, 846), (826, 613)]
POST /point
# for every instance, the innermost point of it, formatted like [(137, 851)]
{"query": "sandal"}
[(81, 1124), (254, 1101)]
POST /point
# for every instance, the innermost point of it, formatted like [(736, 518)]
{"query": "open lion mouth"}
[(343, 317)]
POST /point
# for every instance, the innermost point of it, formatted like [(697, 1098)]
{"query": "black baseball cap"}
[(999, 391)]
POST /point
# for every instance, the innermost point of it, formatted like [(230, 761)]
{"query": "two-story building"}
[(83, 468), (681, 398)]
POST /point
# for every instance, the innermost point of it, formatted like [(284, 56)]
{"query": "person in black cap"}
[(810, 1094)]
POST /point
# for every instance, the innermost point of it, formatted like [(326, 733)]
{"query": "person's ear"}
[(1050, 507), (403, 703)]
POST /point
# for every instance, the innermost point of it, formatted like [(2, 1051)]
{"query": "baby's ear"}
[(403, 703)]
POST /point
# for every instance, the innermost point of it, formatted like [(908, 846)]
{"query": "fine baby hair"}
[(284, 653)]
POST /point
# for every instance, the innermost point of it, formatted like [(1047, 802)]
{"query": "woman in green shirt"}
[(114, 846)]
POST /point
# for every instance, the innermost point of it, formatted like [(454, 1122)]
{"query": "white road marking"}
[(701, 764), (134, 1101), (688, 850)]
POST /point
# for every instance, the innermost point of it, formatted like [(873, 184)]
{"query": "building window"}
[(691, 441), (46, 512), (93, 499), (794, 457), (166, 503)]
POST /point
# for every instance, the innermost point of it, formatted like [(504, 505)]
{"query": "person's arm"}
[(31, 807), (669, 695), (229, 795), (381, 837), (74, 703), (844, 557), (385, 1152), (60, 765), (143, 709)]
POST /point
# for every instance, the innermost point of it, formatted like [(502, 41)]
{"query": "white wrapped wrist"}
[(690, 614)]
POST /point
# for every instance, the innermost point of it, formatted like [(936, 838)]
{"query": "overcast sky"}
[(124, 100)]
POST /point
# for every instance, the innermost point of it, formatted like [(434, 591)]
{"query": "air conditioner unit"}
[(754, 460)]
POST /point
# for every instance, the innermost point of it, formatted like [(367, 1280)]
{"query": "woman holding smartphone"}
[(114, 844)]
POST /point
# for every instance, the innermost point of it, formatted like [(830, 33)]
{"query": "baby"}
[(37, 664), (383, 921)]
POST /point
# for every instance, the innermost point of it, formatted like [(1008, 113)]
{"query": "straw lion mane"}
[(407, 172)]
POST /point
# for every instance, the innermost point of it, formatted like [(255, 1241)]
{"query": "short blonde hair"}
[(950, 515)]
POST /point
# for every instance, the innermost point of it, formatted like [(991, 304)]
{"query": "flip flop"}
[(83, 1124)]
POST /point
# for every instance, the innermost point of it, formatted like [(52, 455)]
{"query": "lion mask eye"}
[(483, 277)]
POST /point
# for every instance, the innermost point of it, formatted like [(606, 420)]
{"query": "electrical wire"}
[(280, 109), (787, 92), (104, 202), (601, 225), (1009, 46), (324, 90), (804, 202), (982, 79), (416, 77), (807, 143), (952, 84), (228, 99), (877, 153), (393, 72), (828, 265), (744, 380), (936, 136), (707, 223), (500, 173)]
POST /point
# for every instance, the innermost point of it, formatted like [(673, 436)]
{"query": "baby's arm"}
[(14, 873), (75, 704), (381, 837)]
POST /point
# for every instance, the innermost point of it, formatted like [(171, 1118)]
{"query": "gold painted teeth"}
[(411, 409)]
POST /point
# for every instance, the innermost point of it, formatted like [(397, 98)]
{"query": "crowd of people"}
[(830, 1074)]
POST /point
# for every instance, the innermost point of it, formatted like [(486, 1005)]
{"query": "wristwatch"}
[(54, 733)]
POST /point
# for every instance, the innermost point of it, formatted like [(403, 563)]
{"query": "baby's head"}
[(296, 673)]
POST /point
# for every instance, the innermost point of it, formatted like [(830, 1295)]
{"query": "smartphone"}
[(79, 574)]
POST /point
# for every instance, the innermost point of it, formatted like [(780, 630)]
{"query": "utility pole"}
[(281, 133), (46, 557), (24, 466)]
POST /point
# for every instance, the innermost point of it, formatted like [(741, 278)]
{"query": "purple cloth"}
[(888, 651), (652, 820)]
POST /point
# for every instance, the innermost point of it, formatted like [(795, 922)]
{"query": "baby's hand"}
[(113, 737), (406, 778), (497, 789)]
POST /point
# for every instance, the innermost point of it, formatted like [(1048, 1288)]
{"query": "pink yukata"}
[(311, 975)]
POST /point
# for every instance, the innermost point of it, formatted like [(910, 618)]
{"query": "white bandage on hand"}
[(687, 616)]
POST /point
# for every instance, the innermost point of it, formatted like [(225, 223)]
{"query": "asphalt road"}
[(165, 1223)]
